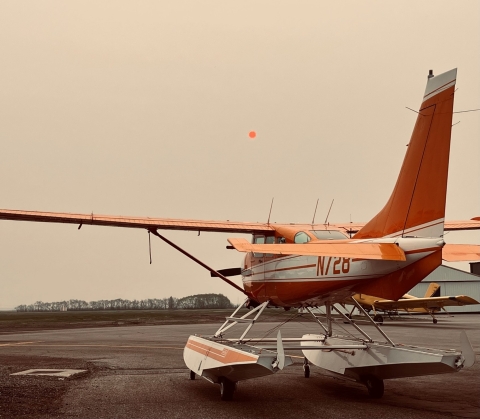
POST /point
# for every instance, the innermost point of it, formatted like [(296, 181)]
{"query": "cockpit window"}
[(302, 237), (328, 234)]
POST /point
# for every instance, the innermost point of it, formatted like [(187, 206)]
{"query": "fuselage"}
[(290, 281)]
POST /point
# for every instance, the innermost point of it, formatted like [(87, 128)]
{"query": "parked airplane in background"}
[(291, 265), (431, 303)]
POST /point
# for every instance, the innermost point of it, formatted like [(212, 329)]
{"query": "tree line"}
[(198, 301)]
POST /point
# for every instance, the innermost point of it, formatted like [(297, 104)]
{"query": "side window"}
[(269, 240), (258, 240), (302, 237), (281, 240)]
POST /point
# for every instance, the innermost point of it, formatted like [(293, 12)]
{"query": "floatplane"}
[(312, 265)]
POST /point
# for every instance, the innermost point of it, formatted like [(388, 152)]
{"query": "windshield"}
[(301, 237), (329, 234)]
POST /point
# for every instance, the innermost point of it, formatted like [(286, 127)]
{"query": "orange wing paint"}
[(461, 252)]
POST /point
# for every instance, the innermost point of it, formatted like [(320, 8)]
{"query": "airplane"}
[(312, 265), (430, 303)]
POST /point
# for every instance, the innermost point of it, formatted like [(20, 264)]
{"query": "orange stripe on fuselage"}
[(288, 269), (225, 355), (429, 249)]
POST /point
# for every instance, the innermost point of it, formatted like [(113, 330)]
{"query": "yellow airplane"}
[(432, 302)]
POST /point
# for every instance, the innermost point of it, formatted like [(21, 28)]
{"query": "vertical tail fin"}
[(417, 204), (433, 290)]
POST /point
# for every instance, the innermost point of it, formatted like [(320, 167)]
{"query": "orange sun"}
[(252, 134)]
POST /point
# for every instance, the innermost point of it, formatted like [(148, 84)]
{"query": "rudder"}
[(417, 204), (433, 290)]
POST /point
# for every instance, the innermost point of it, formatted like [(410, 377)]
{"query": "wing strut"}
[(149, 247), (156, 233)]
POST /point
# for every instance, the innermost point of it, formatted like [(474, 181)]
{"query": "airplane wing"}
[(460, 252), (345, 249), (181, 224), (427, 303), (136, 222), (473, 224)]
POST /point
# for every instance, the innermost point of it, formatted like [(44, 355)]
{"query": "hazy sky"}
[(144, 108)]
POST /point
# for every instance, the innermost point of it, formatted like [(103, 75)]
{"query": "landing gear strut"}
[(434, 319), (306, 368), (227, 388), (374, 386)]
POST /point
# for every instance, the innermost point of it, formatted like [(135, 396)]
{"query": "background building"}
[(453, 282)]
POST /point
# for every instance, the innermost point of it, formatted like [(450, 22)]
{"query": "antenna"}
[(350, 231), (314, 213), (270, 213), (326, 219)]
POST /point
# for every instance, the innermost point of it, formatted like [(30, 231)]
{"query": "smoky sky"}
[(145, 109)]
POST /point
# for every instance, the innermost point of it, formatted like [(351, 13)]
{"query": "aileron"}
[(135, 222)]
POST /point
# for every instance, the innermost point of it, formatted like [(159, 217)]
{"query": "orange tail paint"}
[(417, 204)]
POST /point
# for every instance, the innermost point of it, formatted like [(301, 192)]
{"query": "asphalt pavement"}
[(138, 372)]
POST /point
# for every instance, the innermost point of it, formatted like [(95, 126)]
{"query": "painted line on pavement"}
[(34, 344)]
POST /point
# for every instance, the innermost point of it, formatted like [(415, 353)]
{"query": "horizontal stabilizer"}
[(460, 225), (341, 248), (460, 252)]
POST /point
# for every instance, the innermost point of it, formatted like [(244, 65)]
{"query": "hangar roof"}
[(448, 274)]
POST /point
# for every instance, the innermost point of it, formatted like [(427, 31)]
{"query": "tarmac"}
[(138, 372)]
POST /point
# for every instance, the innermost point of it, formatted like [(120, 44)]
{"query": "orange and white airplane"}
[(292, 265), (431, 303)]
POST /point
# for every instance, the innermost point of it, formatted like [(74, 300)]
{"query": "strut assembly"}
[(204, 265), (227, 361)]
